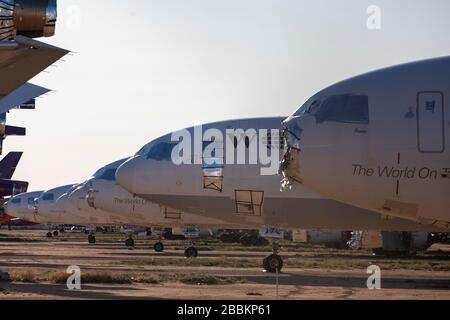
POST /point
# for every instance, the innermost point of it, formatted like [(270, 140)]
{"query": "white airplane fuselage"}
[(240, 194), (47, 210), (379, 141), (110, 197)]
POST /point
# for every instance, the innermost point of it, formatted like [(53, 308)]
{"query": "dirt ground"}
[(30, 251)]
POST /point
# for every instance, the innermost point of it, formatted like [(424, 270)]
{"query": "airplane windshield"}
[(98, 173), (346, 108), (144, 151), (161, 151), (16, 201), (108, 174), (308, 108)]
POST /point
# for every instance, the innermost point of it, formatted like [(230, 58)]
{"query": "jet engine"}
[(30, 18), (404, 243)]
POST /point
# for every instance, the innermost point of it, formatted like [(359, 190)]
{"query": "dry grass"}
[(26, 275), (197, 262), (60, 277)]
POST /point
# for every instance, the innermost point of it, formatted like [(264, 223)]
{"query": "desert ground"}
[(34, 267)]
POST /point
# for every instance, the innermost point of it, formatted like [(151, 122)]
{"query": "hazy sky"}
[(144, 68)]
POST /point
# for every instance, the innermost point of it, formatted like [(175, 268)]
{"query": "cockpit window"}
[(308, 108), (161, 151), (48, 197), (16, 201), (98, 173), (108, 174), (144, 151), (344, 108)]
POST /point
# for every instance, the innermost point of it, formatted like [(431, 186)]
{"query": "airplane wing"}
[(21, 96), (22, 59), (9, 164)]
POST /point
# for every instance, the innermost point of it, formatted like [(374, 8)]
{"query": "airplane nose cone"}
[(125, 175)]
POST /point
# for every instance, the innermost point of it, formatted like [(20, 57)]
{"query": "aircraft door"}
[(430, 122)]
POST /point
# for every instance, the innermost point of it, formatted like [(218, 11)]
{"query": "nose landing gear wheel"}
[(91, 239), (191, 252), (158, 247), (129, 243), (273, 263)]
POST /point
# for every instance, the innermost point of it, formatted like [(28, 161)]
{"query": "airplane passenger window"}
[(161, 151), (344, 108), (48, 197)]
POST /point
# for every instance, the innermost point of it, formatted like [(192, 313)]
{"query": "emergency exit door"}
[(430, 120)]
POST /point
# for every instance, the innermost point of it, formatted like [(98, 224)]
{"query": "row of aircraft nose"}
[(369, 153), (372, 151)]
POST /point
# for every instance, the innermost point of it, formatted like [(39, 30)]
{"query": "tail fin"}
[(9, 164)]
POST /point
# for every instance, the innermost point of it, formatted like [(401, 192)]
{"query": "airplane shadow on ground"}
[(429, 257), (60, 291), (180, 254), (351, 282)]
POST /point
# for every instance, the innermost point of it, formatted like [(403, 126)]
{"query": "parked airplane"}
[(100, 201), (379, 141), (22, 57), (46, 210), (209, 183), (102, 193), (22, 206)]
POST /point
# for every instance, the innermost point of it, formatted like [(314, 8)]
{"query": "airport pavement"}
[(310, 273)]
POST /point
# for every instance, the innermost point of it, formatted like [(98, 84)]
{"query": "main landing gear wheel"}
[(191, 252), (129, 243), (273, 263), (158, 247), (92, 239), (55, 233), (49, 235)]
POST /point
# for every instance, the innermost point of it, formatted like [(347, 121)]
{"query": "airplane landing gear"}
[(191, 252), (52, 234), (273, 263), (158, 247), (129, 243), (92, 239)]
